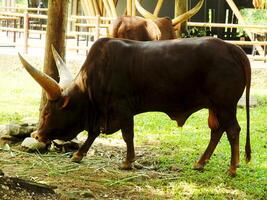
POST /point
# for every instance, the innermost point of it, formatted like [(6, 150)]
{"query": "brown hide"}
[(138, 28), (121, 78)]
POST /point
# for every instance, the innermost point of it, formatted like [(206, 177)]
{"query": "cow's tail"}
[(247, 70), (244, 61)]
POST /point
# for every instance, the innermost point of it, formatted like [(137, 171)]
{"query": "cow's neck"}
[(80, 99)]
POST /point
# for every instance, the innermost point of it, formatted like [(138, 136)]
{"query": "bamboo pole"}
[(107, 8), (129, 7), (113, 8), (85, 7), (97, 10), (91, 7), (133, 8), (101, 7)]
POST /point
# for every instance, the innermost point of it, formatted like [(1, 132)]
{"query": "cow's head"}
[(61, 117), (176, 22), (150, 26)]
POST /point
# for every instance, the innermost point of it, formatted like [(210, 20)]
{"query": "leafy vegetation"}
[(254, 16)]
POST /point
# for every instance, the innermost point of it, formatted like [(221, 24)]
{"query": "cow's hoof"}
[(198, 166), (126, 166), (76, 158), (232, 172)]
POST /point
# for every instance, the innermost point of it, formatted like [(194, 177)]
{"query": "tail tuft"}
[(248, 152)]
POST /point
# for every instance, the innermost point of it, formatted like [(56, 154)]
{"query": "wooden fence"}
[(260, 46), (28, 21)]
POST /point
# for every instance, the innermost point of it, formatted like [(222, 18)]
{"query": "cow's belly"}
[(177, 108)]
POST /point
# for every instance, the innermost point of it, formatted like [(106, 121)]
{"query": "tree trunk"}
[(181, 6), (55, 35)]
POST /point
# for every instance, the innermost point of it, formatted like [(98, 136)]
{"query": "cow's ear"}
[(64, 102)]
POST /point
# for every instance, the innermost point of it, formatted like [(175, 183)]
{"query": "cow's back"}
[(176, 76)]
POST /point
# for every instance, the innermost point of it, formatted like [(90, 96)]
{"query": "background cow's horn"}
[(51, 87), (158, 7), (143, 11), (188, 14), (64, 73)]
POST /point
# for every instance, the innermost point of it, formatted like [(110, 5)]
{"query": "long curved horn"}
[(65, 76), (143, 11), (53, 90), (188, 14), (153, 29), (158, 7)]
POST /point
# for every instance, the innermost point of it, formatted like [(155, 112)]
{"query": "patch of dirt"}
[(259, 79), (12, 188), (97, 177)]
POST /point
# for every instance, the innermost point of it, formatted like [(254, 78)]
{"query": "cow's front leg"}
[(128, 136), (78, 156)]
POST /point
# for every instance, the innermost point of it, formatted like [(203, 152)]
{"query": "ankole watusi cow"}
[(151, 27), (121, 78)]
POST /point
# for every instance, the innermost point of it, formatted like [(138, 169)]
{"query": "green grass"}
[(170, 150), (182, 147), (20, 96)]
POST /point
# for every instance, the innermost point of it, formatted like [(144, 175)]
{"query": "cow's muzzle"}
[(37, 136)]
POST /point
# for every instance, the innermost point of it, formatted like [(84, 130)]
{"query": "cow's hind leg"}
[(128, 136), (233, 136), (216, 134), (227, 120)]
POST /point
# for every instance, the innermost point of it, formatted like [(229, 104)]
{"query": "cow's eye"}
[(46, 113)]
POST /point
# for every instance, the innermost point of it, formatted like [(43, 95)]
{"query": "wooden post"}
[(55, 35), (26, 32), (97, 26)]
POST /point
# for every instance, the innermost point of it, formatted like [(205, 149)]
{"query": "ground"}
[(165, 152)]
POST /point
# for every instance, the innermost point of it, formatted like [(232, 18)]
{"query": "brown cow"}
[(121, 78), (151, 27)]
